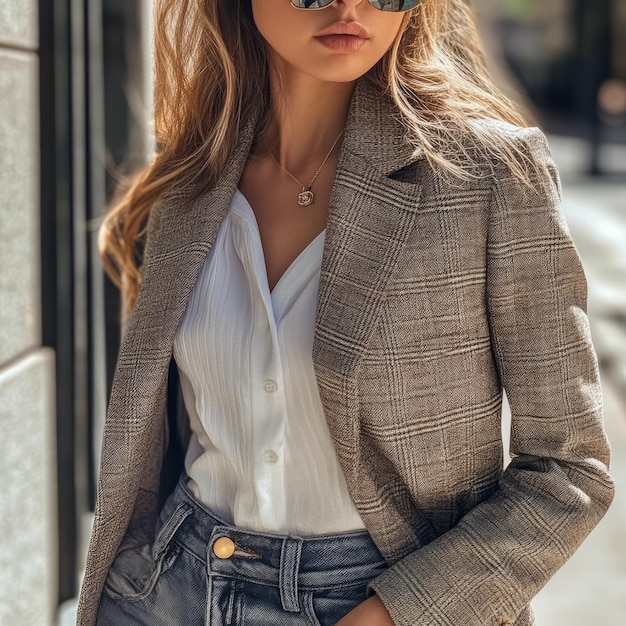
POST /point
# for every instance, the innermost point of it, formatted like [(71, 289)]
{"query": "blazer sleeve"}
[(487, 568)]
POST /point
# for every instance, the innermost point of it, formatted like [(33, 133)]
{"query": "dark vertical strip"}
[(116, 133), (96, 204), (57, 260), (593, 35), (79, 246)]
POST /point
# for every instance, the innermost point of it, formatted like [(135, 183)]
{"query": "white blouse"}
[(260, 454)]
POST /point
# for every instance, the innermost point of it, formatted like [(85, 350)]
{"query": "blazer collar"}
[(374, 131)]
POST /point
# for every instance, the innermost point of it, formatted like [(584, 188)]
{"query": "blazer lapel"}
[(370, 218)]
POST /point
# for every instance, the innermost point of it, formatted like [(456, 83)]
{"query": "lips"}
[(343, 37), (353, 29)]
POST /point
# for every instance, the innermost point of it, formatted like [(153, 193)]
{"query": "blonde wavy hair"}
[(211, 70)]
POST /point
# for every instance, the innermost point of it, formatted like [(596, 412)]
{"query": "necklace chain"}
[(306, 197)]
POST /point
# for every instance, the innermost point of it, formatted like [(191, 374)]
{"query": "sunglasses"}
[(392, 6)]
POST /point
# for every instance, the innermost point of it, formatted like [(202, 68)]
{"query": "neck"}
[(308, 116)]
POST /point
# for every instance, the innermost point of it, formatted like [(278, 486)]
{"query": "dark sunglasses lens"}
[(311, 4), (394, 6)]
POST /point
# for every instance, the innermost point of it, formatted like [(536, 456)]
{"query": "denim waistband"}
[(310, 562)]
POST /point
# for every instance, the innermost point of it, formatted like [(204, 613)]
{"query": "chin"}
[(339, 71)]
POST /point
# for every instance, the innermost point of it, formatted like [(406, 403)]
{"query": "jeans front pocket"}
[(137, 567)]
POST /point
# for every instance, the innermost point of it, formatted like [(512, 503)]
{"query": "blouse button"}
[(271, 457), (270, 386), (224, 547)]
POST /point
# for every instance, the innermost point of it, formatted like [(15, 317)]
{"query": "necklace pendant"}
[(305, 197)]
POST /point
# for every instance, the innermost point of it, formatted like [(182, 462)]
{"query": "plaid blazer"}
[(433, 297)]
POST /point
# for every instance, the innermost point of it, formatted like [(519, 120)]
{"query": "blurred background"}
[(75, 102)]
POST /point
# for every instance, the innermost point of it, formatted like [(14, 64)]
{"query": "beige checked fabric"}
[(433, 296)]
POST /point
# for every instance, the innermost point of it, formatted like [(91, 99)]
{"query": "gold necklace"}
[(306, 196)]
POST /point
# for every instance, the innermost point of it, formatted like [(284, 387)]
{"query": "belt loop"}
[(288, 575), (164, 536)]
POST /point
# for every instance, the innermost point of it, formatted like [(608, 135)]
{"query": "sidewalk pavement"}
[(590, 590)]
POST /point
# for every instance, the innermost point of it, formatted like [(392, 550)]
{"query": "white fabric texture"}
[(260, 453)]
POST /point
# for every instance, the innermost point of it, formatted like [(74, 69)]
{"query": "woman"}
[(352, 246)]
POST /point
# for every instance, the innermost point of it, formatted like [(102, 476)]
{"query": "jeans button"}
[(224, 547)]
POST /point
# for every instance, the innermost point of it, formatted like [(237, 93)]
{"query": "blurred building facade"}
[(75, 106), (568, 58)]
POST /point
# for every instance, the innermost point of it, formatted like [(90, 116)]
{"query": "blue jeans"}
[(259, 579)]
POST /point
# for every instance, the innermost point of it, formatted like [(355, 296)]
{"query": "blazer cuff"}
[(429, 598)]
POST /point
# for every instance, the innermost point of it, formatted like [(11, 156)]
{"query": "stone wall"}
[(28, 561)]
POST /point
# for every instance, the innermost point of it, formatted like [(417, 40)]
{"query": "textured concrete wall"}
[(18, 23), (27, 531), (19, 209), (28, 558)]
